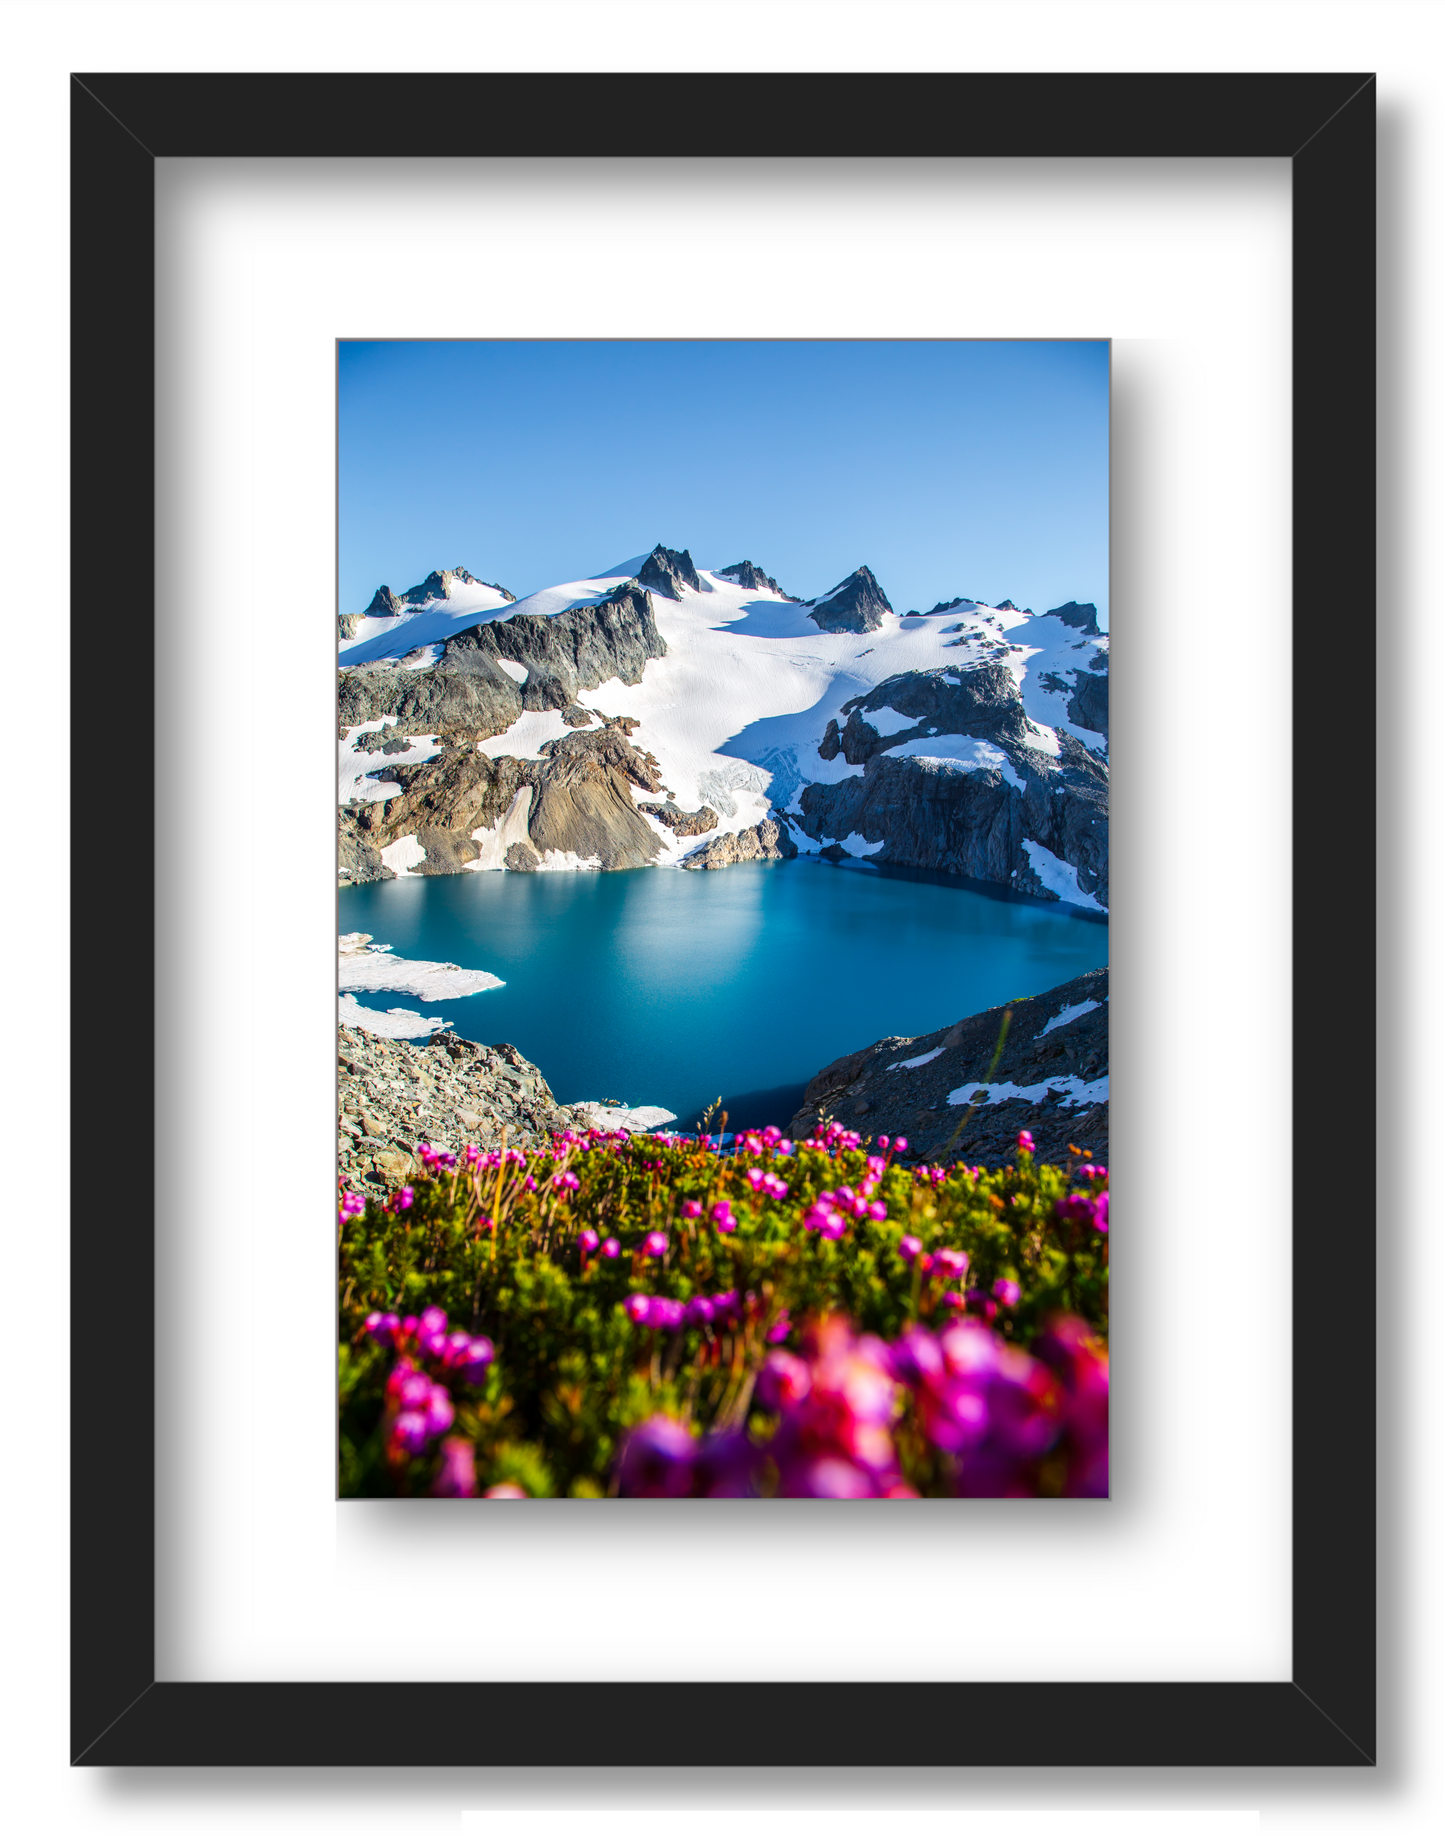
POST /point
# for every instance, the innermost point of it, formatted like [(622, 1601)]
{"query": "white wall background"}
[(1187, 264), (38, 47)]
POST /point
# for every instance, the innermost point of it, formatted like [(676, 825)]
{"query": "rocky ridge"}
[(754, 579), (393, 1095), (1056, 1052), (466, 694), (437, 585)]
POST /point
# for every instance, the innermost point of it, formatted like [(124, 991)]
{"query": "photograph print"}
[(723, 891)]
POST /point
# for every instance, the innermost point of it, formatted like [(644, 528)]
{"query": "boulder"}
[(765, 841)]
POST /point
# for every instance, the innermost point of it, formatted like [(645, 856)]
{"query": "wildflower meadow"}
[(670, 1317)]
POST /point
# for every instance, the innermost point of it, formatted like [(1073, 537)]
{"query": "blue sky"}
[(978, 469)]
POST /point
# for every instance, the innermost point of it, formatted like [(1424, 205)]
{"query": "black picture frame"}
[(1325, 125)]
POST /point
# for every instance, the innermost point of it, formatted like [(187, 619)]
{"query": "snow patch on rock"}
[(494, 842), (1073, 1092), (402, 855), (1066, 1014), (1059, 877)]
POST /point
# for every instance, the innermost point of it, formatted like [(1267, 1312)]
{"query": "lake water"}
[(675, 988)]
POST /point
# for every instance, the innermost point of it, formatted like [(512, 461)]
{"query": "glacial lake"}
[(668, 987)]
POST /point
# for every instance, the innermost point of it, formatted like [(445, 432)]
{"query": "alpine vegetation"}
[(649, 1316)]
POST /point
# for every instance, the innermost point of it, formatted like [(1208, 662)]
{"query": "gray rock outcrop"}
[(393, 1095), (765, 841), (385, 604), (855, 604), (467, 695), (971, 820), (876, 1090), (1089, 703), (357, 860), (668, 571), (1083, 617)]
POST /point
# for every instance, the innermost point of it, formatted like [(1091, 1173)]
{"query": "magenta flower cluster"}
[(419, 1404), (996, 1412), (767, 1183), (765, 1141), (1091, 1208), (993, 1414), (832, 1212), (664, 1315)]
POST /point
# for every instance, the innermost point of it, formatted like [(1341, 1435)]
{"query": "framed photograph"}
[(720, 1264)]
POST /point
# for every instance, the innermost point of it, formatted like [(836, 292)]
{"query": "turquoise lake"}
[(675, 988)]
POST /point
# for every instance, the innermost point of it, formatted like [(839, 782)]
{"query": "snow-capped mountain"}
[(666, 714), (448, 595)]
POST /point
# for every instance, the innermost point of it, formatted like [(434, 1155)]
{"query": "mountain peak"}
[(751, 578), (384, 604), (1083, 617), (668, 571), (438, 585), (855, 604)]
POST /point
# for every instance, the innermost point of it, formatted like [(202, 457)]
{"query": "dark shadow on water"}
[(957, 882), (755, 1109)]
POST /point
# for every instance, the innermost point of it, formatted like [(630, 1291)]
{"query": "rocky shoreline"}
[(391, 1095), (1051, 1077)]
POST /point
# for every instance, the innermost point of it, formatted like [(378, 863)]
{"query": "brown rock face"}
[(581, 803)]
